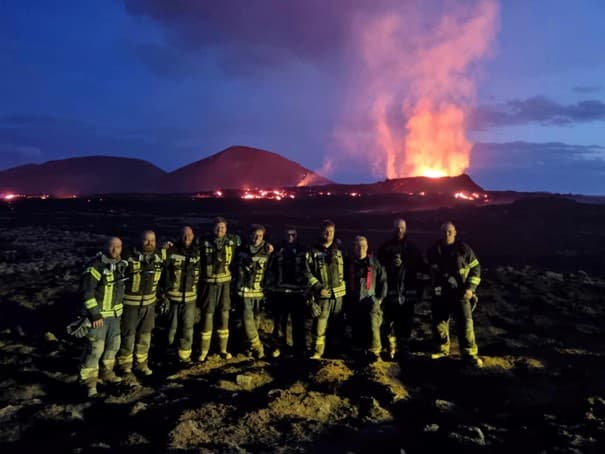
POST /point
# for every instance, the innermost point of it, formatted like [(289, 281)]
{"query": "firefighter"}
[(366, 289), (285, 287), (102, 288), (326, 287), (180, 284), (455, 275), (145, 266), (252, 262), (407, 276), (217, 253)]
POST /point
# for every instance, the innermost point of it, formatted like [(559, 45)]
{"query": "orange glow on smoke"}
[(417, 87)]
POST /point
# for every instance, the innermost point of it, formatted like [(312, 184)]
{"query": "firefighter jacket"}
[(102, 287), (144, 272), (325, 269), (216, 258), (454, 268), (406, 268), (286, 269), (182, 273), (366, 278), (251, 267)]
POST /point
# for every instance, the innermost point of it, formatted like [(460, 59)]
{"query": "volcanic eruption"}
[(416, 88)]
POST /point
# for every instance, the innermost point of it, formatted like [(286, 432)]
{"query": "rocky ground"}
[(540, 332)]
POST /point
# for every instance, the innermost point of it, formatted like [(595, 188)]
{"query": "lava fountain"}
[(418, 86)]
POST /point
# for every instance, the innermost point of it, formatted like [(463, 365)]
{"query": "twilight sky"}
[(514, 90)]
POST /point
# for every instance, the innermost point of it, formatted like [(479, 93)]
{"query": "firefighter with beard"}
[(102, 289), (252, 261), (145, 267), (407, 276), (326, 287), (180, 284), (366, 289), (286, 284), (455, 274), (217, 253)]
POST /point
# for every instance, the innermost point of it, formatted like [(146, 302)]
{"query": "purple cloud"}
[(246, 35), (586, 89), (526, 166), (537, 109)]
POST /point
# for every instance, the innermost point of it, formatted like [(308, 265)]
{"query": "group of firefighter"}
[(320, 290)]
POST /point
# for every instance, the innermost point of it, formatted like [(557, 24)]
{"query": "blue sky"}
[(174, 82)]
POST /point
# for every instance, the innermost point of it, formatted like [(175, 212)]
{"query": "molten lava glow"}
[(417, 86), (473, 196), (268, 194)]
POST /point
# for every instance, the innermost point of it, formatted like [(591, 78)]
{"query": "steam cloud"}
[(416, 88)]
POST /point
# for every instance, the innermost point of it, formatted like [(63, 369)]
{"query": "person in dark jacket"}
[(407, 275), (285, 288), (102, 290), (145, 267), (455, 275), (180, 285), (366, 290)]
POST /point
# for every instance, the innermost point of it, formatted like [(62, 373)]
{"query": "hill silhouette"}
[(241, 167), (81, 176)]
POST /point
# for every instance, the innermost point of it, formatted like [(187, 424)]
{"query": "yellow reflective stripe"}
[(115, 311), (340, 262), (474, 280), (250, 293), (156, 276), (94, 273), (135, 300), (313, 280), (178, 296), (339, 291), (473, 264), (228, 254), (136, 282), (108, 292), (136, 279), (463, 272), (125, 360), (90, 303), (218, 279), (164, 255)]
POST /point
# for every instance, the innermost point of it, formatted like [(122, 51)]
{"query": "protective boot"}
[(143, 368), (90, 386), (474, 361), (223, 341), (258, 351), (206, 337), (107, 373), (320, 346)]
